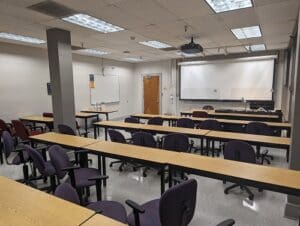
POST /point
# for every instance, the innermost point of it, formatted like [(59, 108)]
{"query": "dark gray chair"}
[(155, 121), (144, 139), (176, 142), (260, 128), (81, 177), (243, 152), (208, 107), (176, 207), (110, 209), (46, 169), (187, 123)]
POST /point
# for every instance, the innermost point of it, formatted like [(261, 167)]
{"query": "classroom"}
[(150, 112)]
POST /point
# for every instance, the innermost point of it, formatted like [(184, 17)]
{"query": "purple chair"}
[(146, 140), (45, 168), (176, 207), (260, 128), (21, 155), (65, 129), (81, 177), (176, 142), (185, 123), (156, 121), (242, 152), (210, 124), (131, 120), (110, 209), (116, 136)]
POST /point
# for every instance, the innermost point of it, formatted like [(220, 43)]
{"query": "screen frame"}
[(229, 100)]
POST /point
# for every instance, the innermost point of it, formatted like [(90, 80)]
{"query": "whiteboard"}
[(251, 79), (107, 89)]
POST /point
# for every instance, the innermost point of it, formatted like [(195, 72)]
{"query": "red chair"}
[(200, 114), (24, 132)]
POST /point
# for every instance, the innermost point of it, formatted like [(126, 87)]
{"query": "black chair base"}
[(244, 188)]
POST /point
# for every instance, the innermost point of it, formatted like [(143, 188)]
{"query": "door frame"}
[(160, 95)]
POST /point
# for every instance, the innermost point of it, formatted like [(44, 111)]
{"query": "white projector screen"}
[(245, 78)]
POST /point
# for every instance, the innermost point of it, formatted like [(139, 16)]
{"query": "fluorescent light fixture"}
[(87, 21), (133, 59), (227, 5), (182, 54), (155, 44), (257, 47), (21, 38), (247, 32), (92, 52)]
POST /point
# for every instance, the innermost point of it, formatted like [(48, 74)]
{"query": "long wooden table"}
[(234, 115), (171, 119), (197, 133), (48, 120), (26, 206), (99, 112)]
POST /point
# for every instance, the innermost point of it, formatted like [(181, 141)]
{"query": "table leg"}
[(104, 169), (105, 133), (289, 132), (95, 132), (86, 127), (162, 180), (106, 114), (170, 177), (98, 130), (99, 163), (288, 154)]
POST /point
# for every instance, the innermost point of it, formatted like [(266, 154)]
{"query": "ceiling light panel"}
[(21, 38), (133, 59), (155, 44), (93, 23), (220, 6), (247, 32), (257, 47), (92, 52)]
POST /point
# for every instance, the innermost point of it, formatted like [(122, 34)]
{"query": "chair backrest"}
[(208, 107), (65, 129), (131, 120), (48, 114), (200, 114), (3, 126), (185, 123), (8, 143), (156, 121), (59, 160), (210, 124), (37, 158), (259, 128), (144, 139), (21, 130), (177, 205), (239, 151), (67, 192), (176, 142), (116, 136)]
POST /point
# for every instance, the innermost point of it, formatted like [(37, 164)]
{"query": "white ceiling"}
[(161, 20)]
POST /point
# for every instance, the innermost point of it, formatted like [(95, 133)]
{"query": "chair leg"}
[(145, 171), (251, 195), (230, 187), (115, 162)]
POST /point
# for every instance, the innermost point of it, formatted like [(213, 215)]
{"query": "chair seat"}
[(83, 174), (110, 209), (17, 160), (49, 169), (34, 132), (151, 215)]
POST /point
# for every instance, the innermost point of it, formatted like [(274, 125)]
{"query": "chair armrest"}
[(70, 168), (71, 173), (136, 207), (228, 222)]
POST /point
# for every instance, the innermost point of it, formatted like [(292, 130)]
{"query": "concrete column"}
[(292, 209), (61, 76)]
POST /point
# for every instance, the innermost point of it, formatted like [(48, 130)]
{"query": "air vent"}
[(53, 9), (77, 48), (169, 49)]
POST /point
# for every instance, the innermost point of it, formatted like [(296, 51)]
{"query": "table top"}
[(254, 172), (156, 128), (98, 111), (227, 121), (133, 151), (63, 139), (37, 118), (100, 220), (286, 141), (213, 113), (85, 115), (26, 206)]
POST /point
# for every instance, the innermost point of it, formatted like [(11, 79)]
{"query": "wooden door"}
[(151, 94)]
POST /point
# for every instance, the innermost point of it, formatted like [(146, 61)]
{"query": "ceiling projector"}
[(191, 48)]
